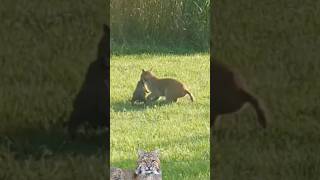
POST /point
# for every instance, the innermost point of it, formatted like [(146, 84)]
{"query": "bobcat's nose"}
[(148, 168)]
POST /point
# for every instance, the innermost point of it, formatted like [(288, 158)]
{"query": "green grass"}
[(45, 51), (273, 46), (170, 23), (180, 131)]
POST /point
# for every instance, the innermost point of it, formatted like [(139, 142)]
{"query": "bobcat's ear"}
[(156, 152), (140, 152), (138, 170), (143, 70)]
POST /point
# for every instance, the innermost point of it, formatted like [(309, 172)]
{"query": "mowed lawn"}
[(180, 131)]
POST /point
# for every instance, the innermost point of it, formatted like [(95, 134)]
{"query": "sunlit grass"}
[(180, 131)]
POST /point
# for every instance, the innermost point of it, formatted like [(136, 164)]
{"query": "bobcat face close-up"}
[(148, 163), (148, 168)]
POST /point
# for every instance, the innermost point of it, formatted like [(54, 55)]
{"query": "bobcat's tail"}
[(260, 109), (190, 95)]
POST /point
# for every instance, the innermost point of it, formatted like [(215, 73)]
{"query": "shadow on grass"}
[(49, 143), (126, 106), (251, 135), (238, 133)]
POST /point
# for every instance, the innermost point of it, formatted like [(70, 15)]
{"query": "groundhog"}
[(170, 88), (139, 94), (230, 93)]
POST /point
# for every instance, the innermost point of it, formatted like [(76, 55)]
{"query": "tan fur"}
[(121, 174), (171, 89), (145, 159)]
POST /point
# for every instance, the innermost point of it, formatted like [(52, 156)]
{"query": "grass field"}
[(274, 46), (46, 48), (180, 131)]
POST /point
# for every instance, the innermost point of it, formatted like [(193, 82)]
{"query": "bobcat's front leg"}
[(152, 97)]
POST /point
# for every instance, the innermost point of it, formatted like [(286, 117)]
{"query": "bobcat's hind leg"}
[(260, 109), (171, 97), (171, 100)]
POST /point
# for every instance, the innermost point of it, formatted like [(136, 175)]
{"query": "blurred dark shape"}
[(230, 92), (91, 105)]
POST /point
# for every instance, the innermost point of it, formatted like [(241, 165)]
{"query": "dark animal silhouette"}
[(92, 102), (230, 93), (103, 53), (139, 94)]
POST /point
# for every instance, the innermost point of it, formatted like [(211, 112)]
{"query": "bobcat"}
[(91, 102), (139, 93), (170, 88), (148, 168), (230, 93)]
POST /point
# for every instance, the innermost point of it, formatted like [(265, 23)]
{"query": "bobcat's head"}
[(148, 163), (146, 75)]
